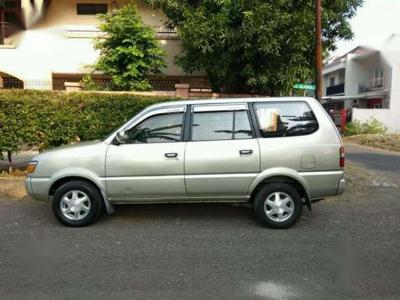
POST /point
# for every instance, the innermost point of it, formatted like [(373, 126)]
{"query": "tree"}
[(129, 51), (254, 45)]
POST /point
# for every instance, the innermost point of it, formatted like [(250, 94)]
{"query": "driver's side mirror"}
[(120, 138)]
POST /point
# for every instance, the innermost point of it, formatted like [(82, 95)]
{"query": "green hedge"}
[(48, 119)]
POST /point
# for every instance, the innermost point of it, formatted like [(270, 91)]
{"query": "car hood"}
[(71, 146), (80, 147), (82, 156)]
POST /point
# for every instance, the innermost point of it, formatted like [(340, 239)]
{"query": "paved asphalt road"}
[(346, 248), (375, 159)]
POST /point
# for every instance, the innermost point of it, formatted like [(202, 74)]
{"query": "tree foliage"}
[(129, 51), (254, 45)]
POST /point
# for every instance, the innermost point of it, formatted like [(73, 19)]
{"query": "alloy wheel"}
[(75, 205), (279, 206)]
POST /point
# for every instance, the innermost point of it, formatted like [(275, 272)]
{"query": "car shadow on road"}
[(182, 211), (37, 212), (190, 213)]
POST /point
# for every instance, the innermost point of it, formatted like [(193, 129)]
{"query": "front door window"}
[(163, 128)]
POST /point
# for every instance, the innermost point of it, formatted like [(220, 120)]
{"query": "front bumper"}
[(28, 186), (37, 188), (341, 187)]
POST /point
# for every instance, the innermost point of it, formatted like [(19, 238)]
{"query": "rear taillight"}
[(342, 156)]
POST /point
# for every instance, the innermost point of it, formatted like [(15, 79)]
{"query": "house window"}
[(332, 81), (91, 8), (378, 78), (378, 74)]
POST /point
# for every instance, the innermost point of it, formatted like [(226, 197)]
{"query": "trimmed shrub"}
[(372, 126), (48, 119), (129, 50)]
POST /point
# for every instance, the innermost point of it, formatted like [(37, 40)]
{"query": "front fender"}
[(86, 174), (78, 172)]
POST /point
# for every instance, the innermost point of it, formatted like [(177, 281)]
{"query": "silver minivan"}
[(278, 154)]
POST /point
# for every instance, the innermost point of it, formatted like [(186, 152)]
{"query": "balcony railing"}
[(371, 86), (163, 32), (335, 89)]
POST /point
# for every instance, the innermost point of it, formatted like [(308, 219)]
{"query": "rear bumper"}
[(324, 183), (341, 187)]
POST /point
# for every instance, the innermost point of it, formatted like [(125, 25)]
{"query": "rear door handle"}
[(171, 155), (246, 152)]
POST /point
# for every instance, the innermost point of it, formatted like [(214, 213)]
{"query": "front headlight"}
[(31, 166)]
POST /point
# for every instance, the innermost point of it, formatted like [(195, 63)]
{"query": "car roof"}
[(231, 101)]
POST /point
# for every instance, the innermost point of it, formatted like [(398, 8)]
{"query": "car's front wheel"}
[(77, 203), (278, 205)]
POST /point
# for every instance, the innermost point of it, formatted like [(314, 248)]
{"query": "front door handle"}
[(246, 152), (171, 155)]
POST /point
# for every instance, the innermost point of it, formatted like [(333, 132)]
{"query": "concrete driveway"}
[(346, 248)]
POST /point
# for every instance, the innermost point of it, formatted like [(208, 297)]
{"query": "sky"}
[(374, 22)]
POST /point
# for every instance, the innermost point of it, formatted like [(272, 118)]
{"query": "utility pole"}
[(318, 51)]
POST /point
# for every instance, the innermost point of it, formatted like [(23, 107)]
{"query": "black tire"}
[(270, 190), (94, 197)]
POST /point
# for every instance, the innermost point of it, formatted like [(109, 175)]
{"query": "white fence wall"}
[(390, 118)]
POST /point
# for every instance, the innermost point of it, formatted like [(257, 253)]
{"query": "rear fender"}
[(282, 172)]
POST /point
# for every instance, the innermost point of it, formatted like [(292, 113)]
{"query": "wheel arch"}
[(60, 181), (282, 178)]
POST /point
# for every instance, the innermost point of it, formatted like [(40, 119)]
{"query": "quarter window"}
[(221, 125), (279, 119), (165, 128), (242, 128)]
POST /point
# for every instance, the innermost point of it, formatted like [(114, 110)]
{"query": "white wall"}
[(356, 72), (49, 47), (360, 70), (393, 57), (390, 118), (390, 63), (43, 52)]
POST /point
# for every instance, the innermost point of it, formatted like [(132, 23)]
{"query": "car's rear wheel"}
[(278, 205), (77, 203)]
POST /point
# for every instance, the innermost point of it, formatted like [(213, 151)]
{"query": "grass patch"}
[(12, 188), (381, 141), (14, 173)]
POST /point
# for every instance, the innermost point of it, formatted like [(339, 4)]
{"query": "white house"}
[(368, 81), (44, 43)]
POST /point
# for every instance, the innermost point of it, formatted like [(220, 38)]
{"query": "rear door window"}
[(280, 119), (221, 125)]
